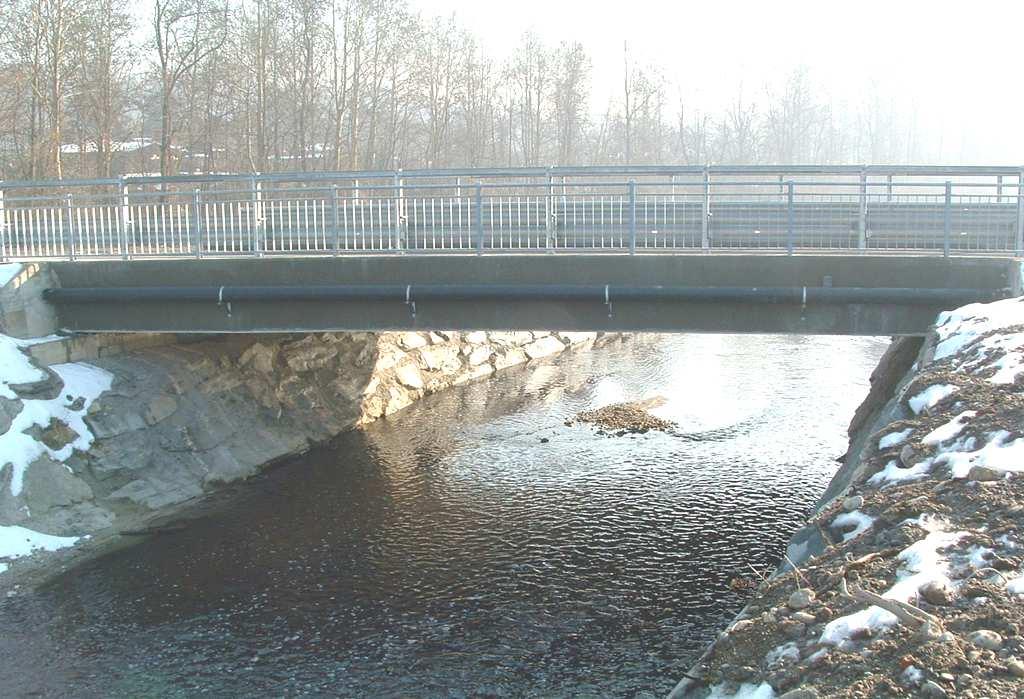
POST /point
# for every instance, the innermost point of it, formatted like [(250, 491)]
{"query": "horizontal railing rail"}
[(683, 209)]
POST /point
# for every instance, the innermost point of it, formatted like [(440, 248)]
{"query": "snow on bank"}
[(858, 520), (922, 564), (999, 454), (951, 429), (930, 397), (8, 272), (16, 542), (745, 691), (15, 368), (961, 333), (894, 438), (18, 449)]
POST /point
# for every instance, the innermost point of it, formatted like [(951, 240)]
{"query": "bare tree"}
[(185, 32)]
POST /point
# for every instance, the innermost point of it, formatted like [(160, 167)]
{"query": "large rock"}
[(509, 357), (411, 341), (159, 409), (479, 355), (9, 410), (444, 358), (544, 347), (46, 388), (408, 375), (48, 485), (260, 356)]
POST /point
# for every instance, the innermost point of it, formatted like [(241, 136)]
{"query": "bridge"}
[(797, 249)]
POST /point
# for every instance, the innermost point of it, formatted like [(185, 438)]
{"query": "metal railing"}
[(907, 209)]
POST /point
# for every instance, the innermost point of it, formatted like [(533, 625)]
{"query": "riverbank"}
[(909, 577), (95, 453)]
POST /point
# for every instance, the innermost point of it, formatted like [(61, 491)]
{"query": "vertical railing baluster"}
[(632, 217), (336, 244), (947, 219), (198, 222), (399, 238), (255, 221), (70, 228), (862, 217), (549, 214), (4, 254), (790, 223), (479, 218), (1020, 213), (124, 222), (705, 224)]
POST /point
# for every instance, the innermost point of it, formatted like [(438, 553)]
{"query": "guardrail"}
[(957, 210)]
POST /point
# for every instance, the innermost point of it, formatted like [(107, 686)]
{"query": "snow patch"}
[(8, 272), (894, 438), (785, 652), (930, 397), (950, 429), (856, 519), (958, 328), (19, 449), (959, 332), (894, 473), (1016, 586), (16, 542), (922, 563), (998, 453), (745, 691), (912, 675), (15, 367)]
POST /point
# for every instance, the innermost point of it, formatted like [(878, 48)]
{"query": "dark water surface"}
[(449, 552)]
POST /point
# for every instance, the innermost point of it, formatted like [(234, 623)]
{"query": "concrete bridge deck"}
[(803, 294)]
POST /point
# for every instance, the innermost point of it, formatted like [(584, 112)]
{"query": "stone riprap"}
[(910, 573)]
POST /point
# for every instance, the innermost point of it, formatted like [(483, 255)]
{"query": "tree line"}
[(89, 90)]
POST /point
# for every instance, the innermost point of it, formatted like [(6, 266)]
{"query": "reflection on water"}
[(448, 551)]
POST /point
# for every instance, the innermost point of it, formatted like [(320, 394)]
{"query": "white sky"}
[(961, 64)]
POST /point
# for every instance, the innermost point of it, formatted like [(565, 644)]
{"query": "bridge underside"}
[(855, 295)]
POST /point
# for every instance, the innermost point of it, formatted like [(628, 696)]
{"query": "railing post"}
[(1020, 213), (790, 226), (888, 188), (705, 224), (70, 227), (862, 217), (198, 227), (479, 218), (257, 216), (947, 219), (399, 238), (3, 226), (125, 223), (549, 214), (999, 189), (632, 217), (335, 210)]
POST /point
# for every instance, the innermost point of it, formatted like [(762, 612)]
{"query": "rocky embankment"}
[(909, 578), (115, 443)]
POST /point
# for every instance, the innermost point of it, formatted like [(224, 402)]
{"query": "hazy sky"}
[(958, 66)]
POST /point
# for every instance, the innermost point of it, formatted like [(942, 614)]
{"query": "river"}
[(472, 545)]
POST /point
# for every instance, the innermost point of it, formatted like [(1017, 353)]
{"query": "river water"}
[(472, 545)]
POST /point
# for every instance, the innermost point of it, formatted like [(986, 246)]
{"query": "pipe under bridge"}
[(802, 294)]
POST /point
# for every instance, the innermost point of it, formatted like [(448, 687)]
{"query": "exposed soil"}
[(780, 643)]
